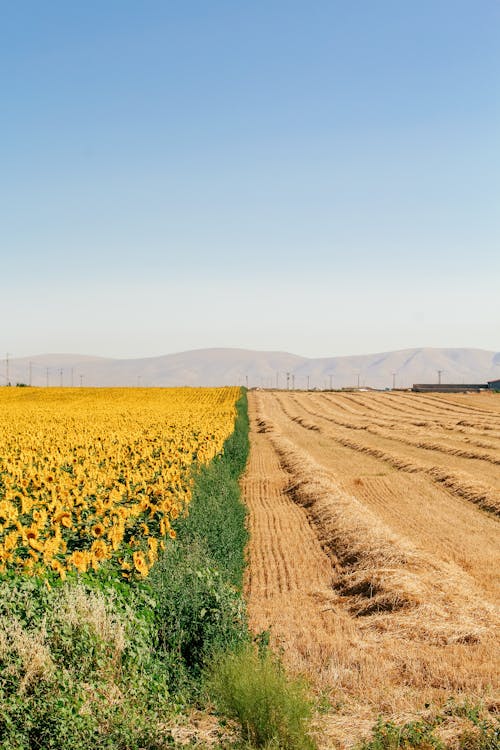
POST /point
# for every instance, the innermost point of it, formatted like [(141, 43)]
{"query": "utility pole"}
[(308, 382), (246, 380), (288, 381), (81, 380), (61, 377), (439, 372), (358, 379), (393, 381)]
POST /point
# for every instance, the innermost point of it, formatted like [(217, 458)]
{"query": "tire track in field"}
[(466, 408), (459, 482), (411, 405), (380, 429), (436, 404), (327, 404), (412, 413)]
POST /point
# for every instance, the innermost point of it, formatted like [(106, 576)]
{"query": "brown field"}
[(375, 549)]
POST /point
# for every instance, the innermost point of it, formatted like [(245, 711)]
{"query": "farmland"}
[(88, 477), (375, 549), (372, 552)]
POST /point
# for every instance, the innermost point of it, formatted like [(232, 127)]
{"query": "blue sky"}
[(316, 177)]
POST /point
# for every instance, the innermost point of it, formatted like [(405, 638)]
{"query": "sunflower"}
[(80, 559), (35, 544), (140, 563), (99, 550), (58, 568), (153, 550), (64, 518)]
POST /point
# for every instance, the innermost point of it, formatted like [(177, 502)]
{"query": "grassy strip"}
[(217, 514), (197, 582)]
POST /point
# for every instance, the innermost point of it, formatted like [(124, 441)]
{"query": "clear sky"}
[(319, 177)]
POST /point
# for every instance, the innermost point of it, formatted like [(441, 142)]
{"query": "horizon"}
[(257, 351), (265, 369)]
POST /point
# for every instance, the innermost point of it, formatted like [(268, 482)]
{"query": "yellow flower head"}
[(80, 559), (140, 563)]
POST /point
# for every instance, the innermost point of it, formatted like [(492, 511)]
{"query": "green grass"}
[(251, 687), (197, 582), (217, 515), (389, 736), (480, 731)]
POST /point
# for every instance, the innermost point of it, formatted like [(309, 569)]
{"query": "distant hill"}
[(211, 367)]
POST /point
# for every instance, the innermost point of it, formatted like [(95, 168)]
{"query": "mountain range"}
[(214, 367)]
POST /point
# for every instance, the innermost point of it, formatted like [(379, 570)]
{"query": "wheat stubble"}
[(381, 609)]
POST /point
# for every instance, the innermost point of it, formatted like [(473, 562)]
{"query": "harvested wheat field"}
[(375, 549)]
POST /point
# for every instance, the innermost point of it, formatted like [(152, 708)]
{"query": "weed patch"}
[(272, 709)]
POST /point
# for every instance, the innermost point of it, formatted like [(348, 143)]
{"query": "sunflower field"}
[(93, 477)]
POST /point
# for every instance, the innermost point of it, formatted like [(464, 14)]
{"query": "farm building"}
[(452, 387), (494, 385)]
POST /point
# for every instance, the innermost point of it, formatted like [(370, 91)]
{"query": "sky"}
[(315, 177)]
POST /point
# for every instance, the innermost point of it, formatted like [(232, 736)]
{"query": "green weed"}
[(272, 709), (389, 736)]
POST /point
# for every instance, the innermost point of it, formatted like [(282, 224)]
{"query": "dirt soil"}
[(375, 549)]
